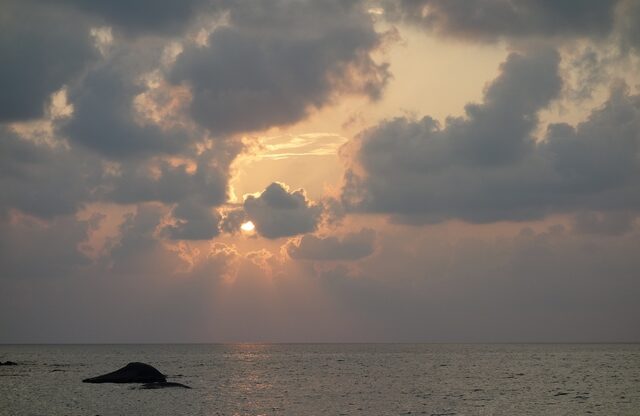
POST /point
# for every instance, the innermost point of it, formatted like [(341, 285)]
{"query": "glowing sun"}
[(247, 226)]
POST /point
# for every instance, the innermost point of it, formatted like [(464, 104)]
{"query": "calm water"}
[(331, 379)]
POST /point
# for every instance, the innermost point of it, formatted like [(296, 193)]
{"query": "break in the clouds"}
[(278, 212), (487, 166), (352, 246)]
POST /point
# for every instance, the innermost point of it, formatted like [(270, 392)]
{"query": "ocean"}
[(327, 379)]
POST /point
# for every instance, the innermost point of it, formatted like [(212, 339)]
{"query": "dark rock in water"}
[(8, 363), (131, 373), (163, 385)]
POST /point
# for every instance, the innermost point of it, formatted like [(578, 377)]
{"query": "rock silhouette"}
[(130, 373), (8, 363), (163, 385)]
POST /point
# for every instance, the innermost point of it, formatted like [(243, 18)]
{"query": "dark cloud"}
[(629, 26), (168, 183), (42, 49), (277, 60), (41, 180), (495, 19), (487, 167), (140, 17), (105, 119), (352, 246), (194, 221), (280, 213)]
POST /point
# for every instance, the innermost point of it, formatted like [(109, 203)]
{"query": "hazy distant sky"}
[(302, 170)]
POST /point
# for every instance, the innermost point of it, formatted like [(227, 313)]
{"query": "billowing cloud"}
[(42, 48), (351, 246), (487, 167), (280, 213), (105, 119), (471, 168), (495, 19), (277, 60)]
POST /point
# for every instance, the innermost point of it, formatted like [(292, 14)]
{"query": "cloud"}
[(279, 213), (495, 19), (42, 49), (41, 180), (33, 249), (162, 181), (141, 17), (137, 249), (487, 167), (194, 221), (472, 167), (277, 60), (105, 119), (536, 285), (607, 223), (351, 246)]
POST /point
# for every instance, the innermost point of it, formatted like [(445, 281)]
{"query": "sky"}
[(319, 171)]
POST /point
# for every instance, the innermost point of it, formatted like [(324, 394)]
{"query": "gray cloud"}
[(548, 285), (495, 19), (167, 183), (486, 167), (607, 223), (137, 249), (41, 180), (104, 117), (42, 48), (352, 246), (538, 285), (277, 60), (280, 213), (140, 17), (31, 249), (194, 221)]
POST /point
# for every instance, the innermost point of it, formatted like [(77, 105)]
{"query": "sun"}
[(247, 226)]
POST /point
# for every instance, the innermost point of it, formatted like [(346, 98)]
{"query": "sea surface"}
[(327, 379)]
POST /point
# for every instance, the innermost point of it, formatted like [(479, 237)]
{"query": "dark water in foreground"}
[(328, 379)]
